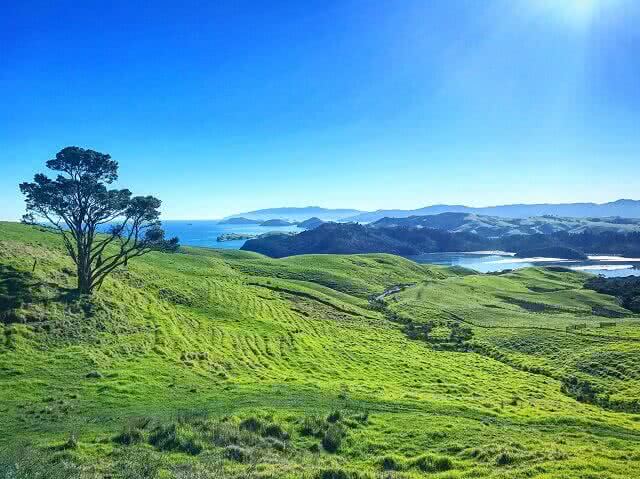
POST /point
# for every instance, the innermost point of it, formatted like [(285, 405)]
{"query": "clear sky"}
[(219, 107)]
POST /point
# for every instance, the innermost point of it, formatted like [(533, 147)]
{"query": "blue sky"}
[(220, 107)]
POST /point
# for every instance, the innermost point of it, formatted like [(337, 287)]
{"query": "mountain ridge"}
[(622, 207)]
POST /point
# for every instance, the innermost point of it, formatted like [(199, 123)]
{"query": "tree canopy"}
[(101, 228)]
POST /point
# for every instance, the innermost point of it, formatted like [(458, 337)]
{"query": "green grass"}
[(212, 363)]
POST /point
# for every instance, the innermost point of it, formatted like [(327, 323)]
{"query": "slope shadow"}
[(16, 289), (19, 288)]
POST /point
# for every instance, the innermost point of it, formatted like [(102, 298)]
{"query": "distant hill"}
[(276, 222), (351, 238), (311, 223), (298, 214), (494, 226), (240, 220), (621, 208)]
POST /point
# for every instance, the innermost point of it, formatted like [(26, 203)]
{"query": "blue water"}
[(205, 232), (487, 263)]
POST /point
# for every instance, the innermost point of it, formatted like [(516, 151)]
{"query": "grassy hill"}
[(209, 364)]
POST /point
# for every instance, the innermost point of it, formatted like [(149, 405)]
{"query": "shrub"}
[(504, 459), (276, 431), (391, 463), (277, 444), (332, 438), (175, 438), (72, 442), (252, 424), (335, 416), (236, 453), (313, 426), (131, 435), (431, 463), (333, 474)]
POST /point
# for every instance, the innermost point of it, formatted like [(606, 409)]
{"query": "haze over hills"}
[(494, 226), (298, 214), (624, 208)]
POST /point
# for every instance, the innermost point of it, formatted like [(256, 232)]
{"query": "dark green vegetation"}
[(627, 290), (492, 226), (311, 223), (234, 237), (242, 236), (351, 238), (210, 364)]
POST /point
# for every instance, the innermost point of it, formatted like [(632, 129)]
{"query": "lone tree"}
[(101, 228)]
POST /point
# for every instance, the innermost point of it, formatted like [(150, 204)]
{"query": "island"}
[(234, 237), (248, 236), (276, 222), (311, 223), (239, 221)]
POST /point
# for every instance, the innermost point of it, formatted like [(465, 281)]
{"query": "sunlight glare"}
[(578, 13)]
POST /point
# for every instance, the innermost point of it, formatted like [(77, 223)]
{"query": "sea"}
[(204, 233), (495, 261)]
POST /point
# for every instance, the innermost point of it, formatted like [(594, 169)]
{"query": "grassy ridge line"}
[(539, 328), (316, 297)]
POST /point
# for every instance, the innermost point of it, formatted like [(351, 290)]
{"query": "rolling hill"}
[(495, 226), (213, 363), (353, 238)]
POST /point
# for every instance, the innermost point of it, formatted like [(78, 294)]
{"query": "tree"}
[(101, 228)]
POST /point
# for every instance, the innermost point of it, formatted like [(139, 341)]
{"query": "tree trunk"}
[(84, 273), (84, 286)]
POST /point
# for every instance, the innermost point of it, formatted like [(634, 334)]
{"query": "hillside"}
[(494, 226), (213, 363), (352, 238)]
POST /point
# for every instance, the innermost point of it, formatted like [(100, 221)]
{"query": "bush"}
[(332, 439), (276, 431), (391, 463), (504, 459), (236, 453), (252, 424), (174, 437), (335, 416), (313, 426), (277, 444), (72, 442), (431, 463), (131, 435), (333, 474)]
